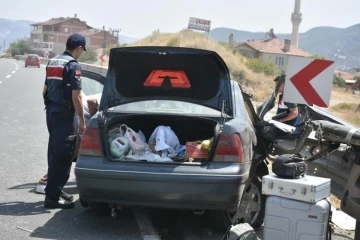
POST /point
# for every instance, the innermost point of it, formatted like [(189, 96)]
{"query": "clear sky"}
[(139, 18)]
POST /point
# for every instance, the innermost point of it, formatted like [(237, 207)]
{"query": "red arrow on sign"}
[(102, 57), (302, 79)]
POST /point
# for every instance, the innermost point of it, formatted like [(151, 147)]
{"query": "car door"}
[(350, 203), (92, 83)]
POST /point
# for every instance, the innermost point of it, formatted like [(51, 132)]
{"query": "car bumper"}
[(32, 64), (216, 187)]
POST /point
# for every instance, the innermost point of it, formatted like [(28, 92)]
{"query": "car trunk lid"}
[(167, 73)]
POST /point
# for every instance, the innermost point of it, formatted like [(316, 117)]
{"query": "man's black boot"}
[(61, 203), (66, 196)]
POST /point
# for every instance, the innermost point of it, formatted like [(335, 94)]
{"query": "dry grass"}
[(340, 95), (335, 201), (258, 84), (347, 111)]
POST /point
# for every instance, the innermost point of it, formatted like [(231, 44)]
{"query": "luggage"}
[(307, 189), (289, 166), (287, 219)]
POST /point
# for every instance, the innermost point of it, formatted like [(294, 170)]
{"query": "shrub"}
[(339, 81), (173, 42), (89, 56), (261, 66)]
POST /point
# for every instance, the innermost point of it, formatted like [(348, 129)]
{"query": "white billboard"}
[(199, 24)]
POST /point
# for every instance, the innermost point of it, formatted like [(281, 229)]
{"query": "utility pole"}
[(4, 46)]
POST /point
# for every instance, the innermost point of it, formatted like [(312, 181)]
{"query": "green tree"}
[(19, 47), (339, 81), (260, 66), (89, 56)]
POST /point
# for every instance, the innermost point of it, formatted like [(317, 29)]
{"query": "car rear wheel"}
[(251, 209), (83, 203), (25, 65), (101, 209)]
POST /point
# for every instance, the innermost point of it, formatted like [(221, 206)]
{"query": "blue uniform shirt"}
[(58, 77)]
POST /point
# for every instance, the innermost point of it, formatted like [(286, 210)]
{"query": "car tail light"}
[(229, 149), (90, 144)]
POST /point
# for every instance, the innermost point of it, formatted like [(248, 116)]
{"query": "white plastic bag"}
[(165, 139), (136, 140), (113, 134)]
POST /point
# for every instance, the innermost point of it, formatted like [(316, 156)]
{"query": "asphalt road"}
[(23, 144)]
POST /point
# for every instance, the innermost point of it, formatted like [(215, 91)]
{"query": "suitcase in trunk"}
[(307, 189), (287, 219)]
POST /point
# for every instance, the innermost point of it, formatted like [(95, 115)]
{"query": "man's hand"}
[(293, 113), (82, 127)]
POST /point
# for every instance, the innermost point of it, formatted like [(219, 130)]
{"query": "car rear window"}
[(33, 57), (168, 106)]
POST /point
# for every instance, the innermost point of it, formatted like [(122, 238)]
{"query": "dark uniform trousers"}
[(61, 148)]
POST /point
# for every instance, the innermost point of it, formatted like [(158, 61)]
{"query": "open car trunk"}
[(196, 137)]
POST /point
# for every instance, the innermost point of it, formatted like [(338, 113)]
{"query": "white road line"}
[(8, 76), (0, 82), (17, 66), (147, 229), (13, 71)]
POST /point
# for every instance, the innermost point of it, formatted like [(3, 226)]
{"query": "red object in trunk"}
[(194, 150)]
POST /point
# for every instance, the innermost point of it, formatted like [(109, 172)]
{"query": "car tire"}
[(39, 66), (25, 65), (222, 220), (101, 209), (83, 203)]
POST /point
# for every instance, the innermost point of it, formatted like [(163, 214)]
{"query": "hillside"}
[(251, 81), (339, 44), (11, 30)]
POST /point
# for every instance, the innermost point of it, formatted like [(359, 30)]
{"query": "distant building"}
[(270, 49), (96, 38), (51, 35)]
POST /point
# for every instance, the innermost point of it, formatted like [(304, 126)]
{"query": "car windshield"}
[(168, 106)]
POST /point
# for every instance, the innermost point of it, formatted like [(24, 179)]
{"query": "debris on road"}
[(24, 229)]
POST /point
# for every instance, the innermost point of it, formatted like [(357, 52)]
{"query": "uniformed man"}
[(292, 116), (90, 107), (62, 97)]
